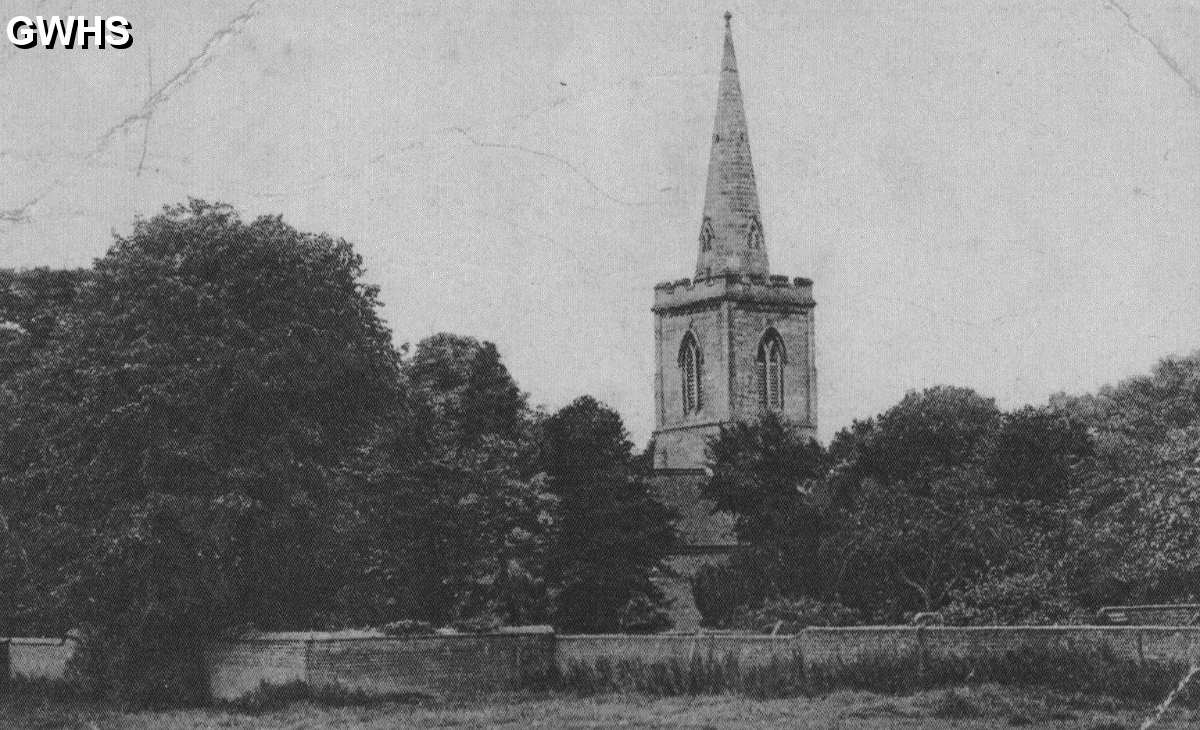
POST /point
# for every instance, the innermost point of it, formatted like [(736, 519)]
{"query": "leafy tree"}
[(765, 474), (456, 519), (723, 592), (1033, 453), (185, 430), (926, 435), (453, 535), (466, 390), (898, 550), (1135, 538), (611, 537), (32, 304)]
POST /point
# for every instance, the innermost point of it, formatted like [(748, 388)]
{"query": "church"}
[(731, 343)]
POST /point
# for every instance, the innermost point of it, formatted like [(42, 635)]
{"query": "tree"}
[(1033, 453), (186, 428), (765, 474), (926, 435), (611, 537), (453, 535), (898, 551), (456, 520), (466, 390)]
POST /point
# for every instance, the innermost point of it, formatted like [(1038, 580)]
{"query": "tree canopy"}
[(945, 503), (612, 537)]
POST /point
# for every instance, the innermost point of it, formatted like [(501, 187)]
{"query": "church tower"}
[(735, 341), (731, 343)]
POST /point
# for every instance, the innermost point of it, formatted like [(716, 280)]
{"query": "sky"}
[(1000, 195)]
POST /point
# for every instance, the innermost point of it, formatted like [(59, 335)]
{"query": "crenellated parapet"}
[(730, 286)]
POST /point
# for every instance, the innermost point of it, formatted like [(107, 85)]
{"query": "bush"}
[(644, 615), (1009, 600), (407, 627), (789, 616), (719, 592)]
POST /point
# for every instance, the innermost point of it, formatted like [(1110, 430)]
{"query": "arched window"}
[(754, 234), (771, 360), (690, 364), (706, 234)]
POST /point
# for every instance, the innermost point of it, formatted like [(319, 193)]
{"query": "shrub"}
[(719, 593), (407, 627), (788, 616), (644, 615)]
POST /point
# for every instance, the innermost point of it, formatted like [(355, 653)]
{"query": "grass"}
[(971, 708), (1091, 690), (1094, 672)]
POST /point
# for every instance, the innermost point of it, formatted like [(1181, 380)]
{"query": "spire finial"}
[(728, 17)]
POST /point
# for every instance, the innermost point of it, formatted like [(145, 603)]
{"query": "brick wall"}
[(825, 645), (450, 666), (749, 649), (238, 667), (39, 658), (829, 645), (440, 666)]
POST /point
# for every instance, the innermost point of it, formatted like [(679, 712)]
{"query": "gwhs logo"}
[(72, 31)]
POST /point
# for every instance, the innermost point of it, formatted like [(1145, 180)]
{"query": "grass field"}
[(987, 706)]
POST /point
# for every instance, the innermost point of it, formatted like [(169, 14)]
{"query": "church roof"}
[(731, 233)]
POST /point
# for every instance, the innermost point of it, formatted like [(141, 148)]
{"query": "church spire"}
[(731, 234)]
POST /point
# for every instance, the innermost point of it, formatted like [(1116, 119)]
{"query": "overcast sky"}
[(999, 195)]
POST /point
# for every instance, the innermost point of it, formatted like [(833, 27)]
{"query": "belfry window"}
[(706, 235), (754, 236), (771, 361), (690, 364)]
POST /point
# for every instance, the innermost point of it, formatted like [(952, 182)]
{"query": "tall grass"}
[(1084, 671)]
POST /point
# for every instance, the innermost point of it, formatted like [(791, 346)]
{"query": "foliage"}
[(719, 591), (455, 524), (612, 537), (918, 440), (450, 535), (32, 305), (896, 552), (1033, 453), (407, 627), (764, 473), (174, 452), (1002, 598), (789, 616), (465, 391)]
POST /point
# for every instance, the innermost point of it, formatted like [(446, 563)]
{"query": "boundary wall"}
[(468, 664)]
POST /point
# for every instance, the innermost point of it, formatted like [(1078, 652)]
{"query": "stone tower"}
[(734, 341), (731, 343)]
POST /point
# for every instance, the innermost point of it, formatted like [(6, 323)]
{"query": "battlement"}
[(782, 290)]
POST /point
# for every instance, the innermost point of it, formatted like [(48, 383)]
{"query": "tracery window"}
[(706, 235), (690, 364), (754, 236), (771, 360)]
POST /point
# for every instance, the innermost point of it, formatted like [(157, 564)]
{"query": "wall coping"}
[(677, 637), (285, 637), (1007, 629), (36, 640)]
